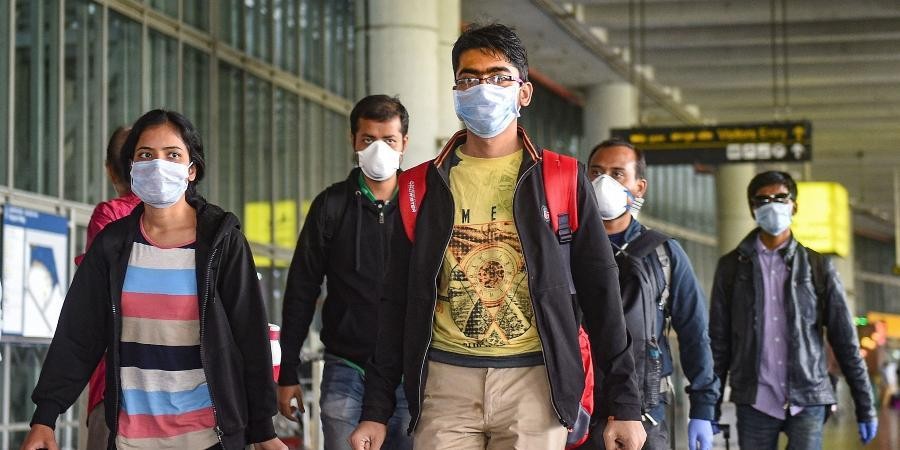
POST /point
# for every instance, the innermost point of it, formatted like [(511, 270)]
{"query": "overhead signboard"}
[(722, 144), (822, 222), (35, 271)]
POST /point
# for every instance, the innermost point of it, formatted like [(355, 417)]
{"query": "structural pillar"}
[(448, 30), (400, 44), (732, 210), (608, 105)]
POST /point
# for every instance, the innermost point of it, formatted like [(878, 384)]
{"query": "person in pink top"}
[(104, 214)]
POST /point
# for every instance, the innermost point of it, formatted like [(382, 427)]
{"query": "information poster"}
[(35, 271)]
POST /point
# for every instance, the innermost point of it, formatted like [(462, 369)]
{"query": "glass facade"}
[(73, 71)]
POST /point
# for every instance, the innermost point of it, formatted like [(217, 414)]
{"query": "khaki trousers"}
[(488, 409)]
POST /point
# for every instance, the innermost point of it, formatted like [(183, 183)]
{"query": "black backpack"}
[(644, 294)]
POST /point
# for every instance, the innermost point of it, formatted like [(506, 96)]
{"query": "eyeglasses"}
[(782, 197), (497, 80)]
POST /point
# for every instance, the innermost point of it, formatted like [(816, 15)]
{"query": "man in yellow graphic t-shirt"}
[(483, 307), (478, 318)]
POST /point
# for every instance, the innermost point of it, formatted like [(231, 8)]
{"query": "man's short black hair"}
[(769, 178), (380, 108), (494, 38), (640, 163), (113, 155)]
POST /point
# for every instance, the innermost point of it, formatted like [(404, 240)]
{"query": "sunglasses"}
[(759, 200)]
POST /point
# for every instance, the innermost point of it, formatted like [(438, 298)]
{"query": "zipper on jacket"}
[(117, 369), (421, 388), (533, 305), (380, 213), (212, 398)]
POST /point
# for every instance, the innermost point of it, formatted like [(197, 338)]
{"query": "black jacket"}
[(815, 308), (407, 316), (345, 238), (234, 342)]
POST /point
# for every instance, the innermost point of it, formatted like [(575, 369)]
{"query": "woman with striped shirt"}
[(170, 293)]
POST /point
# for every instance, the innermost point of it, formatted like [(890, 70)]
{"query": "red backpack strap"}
[(412, 188), (560, 187)]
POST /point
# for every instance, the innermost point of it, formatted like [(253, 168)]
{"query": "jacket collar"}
[(460, 136), (213, 223), (747, 247)]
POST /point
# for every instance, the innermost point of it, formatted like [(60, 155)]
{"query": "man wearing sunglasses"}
[(773, 301)]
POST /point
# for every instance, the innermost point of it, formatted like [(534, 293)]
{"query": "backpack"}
[(560, 186), (644, 295)]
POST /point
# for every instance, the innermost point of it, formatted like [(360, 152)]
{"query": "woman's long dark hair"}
[(185, 130)]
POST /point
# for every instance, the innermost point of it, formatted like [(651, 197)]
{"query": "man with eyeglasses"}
[(479, 317), (773, 300)]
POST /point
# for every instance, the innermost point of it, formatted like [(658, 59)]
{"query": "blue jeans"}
[(341, 403), (757, 430)]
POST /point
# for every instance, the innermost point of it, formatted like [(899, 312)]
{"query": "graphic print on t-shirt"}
[(484, 307)]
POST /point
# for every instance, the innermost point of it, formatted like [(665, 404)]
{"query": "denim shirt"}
[(689, 319)]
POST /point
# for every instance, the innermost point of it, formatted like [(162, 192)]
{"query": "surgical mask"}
[(379, 161), (159, 183), (487, 109), (635, 208), (775, 217), (612, 197)]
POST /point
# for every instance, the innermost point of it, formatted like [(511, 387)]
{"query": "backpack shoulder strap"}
[(666, 264), (646, 243), (412, 185), (560, 188), (335, 204)]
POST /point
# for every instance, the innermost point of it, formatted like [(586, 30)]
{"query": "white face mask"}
[(487, 109), (612, 197), (159, 183), (774, 217), (379, 161)]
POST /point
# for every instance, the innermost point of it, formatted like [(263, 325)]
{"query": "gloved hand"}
[(700, 434), (867, 430)]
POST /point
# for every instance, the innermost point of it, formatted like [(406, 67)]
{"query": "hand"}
[(700, 434), (40, 436), (868, 430), (285, 395), (624, 435), (368, 435), (271, 444)]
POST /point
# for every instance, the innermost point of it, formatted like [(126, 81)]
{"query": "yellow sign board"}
[(891, 321), (822, 222), (258, 227)]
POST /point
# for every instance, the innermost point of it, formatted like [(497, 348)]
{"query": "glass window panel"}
[(25, 364), (229, 193), (196, 91), (83, 145), (257, 156), (5, 90), (230, 23), (287, 182), (196, 13), (311, 57), (124, 78), (168, 7), (257, 28), (314, 166), (285, 14), (163, 72), (37, 92)]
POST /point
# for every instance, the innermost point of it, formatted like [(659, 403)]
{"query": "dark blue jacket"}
[(689, 317)]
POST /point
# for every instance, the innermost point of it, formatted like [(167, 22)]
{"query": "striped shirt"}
[(166, 402)]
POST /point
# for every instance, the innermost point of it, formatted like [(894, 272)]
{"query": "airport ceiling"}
[(833, 62)]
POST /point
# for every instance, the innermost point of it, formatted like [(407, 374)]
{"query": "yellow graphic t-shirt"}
[(483, 307)]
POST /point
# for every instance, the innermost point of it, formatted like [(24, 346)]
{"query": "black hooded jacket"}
[(344, 239), (234, 342), (407, 311)]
